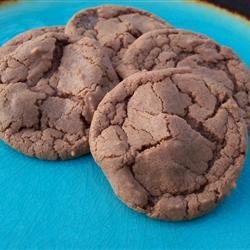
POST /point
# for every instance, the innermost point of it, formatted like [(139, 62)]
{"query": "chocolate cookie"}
[(170, 142), (49, 90), (115, 27), (177, 48), (27, 36)]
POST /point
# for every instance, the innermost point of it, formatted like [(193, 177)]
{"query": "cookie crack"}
[(56, 59), (151, 198), (196, 125), (138, 129)]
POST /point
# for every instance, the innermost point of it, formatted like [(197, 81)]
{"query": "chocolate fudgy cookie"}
[(49, 89), (177, 48), (170, 142), (115, 27)]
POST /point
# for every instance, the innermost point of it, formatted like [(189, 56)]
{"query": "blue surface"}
[(62, 205)]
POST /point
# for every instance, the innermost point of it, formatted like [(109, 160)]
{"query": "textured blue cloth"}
[(70, 204)]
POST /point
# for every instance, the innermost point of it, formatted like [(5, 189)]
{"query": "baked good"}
[(49, 90), (114, 26), (170, 142)]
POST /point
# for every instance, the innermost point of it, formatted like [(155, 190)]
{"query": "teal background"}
[(70, 205)]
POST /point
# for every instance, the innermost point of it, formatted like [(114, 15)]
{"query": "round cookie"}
[(49, 90), (27, 36), (178, 48), (115, 27), (170, 143)]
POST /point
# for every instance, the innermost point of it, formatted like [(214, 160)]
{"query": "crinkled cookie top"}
[(170, 142), (115, 27), (49, 90), (168, 48)]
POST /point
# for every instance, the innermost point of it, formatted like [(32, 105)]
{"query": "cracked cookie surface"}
[(178, 48), (49, 90), (170, 142), (27, 36), (115, 27)]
